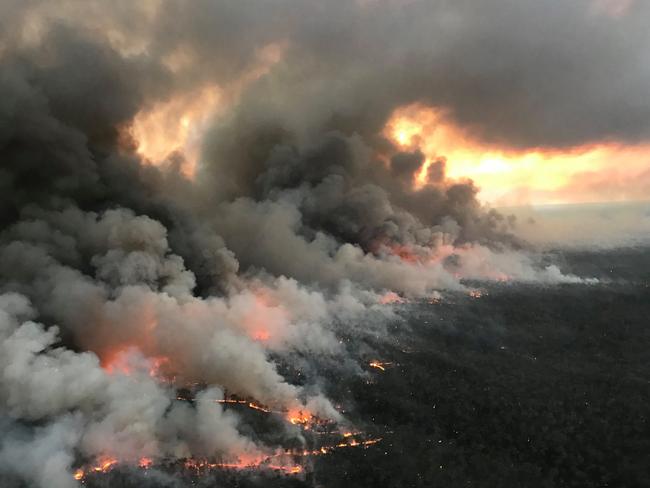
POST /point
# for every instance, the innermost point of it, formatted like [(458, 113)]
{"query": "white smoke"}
[(133, 310)]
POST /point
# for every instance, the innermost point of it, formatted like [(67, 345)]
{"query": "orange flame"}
[(299, 417), (391, 297), (296, 416), (122, 361), (102, 465), (379, 365), (476, 293), (244, 463), (279, 461), (249, 404), (261, 408), (402, 251)]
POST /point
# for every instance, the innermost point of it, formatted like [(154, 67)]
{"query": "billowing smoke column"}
[(121, 280)]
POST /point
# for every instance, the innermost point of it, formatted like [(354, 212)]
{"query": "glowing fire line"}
[(105, 464), (379, 365), (275, 462)]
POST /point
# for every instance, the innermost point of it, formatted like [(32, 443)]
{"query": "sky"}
[(535, 101), (607, 171)]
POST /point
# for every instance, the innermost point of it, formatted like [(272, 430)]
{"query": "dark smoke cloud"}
[(301, 212), (521, 74)]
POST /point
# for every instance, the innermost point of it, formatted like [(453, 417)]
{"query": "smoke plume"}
[(125, 278)]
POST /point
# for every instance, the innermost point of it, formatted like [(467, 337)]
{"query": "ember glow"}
[(476, 293), (201, 466), (299, 417), (391, 297), (380, 365), (280, 461), (264, 317), (102, 465), (125, 361)]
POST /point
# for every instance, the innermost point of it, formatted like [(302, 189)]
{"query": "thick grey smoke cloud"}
[(523, 74), (124, 417), (302, 215)]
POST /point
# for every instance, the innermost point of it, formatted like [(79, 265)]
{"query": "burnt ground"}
[(526, 386)]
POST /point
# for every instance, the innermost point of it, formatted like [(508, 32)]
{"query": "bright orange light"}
[(256, 406), (281, 460), (379, 365), (404, 252), (261, 335), (124, 362), (391, 297), (104, 464), (265, 318), (511, 177), (476, 293), (299, 416), (157, 366), (246, 462), (177, 124), (251, 405), (116, 361)]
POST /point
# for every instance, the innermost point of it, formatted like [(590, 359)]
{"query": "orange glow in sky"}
[(598, 172), (177, 124)]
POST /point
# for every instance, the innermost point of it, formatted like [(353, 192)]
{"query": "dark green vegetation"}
[(526, 386)]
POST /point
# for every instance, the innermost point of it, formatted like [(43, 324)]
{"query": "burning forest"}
[(235, 236)]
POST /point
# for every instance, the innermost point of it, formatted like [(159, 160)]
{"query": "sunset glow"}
[(596, 172), (175, 125), (178, 124)]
